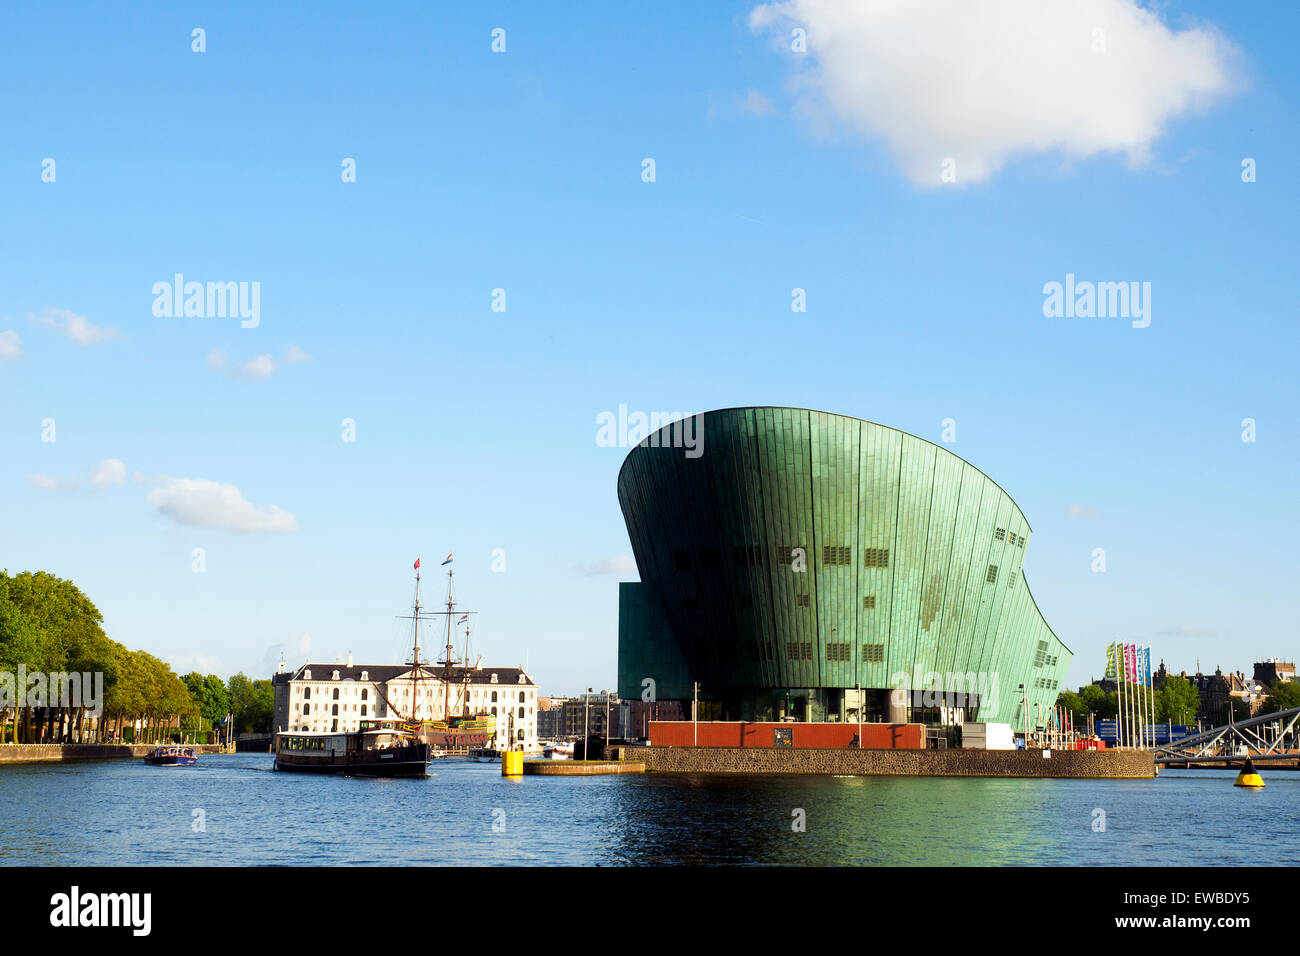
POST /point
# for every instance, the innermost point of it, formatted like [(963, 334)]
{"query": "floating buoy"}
[(512, 764), (1249, 776)]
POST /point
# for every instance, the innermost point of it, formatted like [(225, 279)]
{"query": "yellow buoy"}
[(1249, 776), (512, 763)]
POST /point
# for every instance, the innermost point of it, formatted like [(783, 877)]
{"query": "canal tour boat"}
[(381, 748), (171, 756), (378, 748)]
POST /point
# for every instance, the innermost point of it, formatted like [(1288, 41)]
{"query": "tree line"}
[(1176, 702), (48, 626)]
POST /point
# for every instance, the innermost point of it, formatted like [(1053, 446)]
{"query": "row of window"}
[(306, 709), (365, 693), (833, 555), (400, 691), (1015, 539), (803, 651)]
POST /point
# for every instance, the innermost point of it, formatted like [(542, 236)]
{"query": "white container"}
[(986, 736)]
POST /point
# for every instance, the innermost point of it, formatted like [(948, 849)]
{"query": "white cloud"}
[(756, 103), (622, 566), (212, 504), (10, 345), (979, 81), (75, 327), (46, 483), (263, 366), (1082, 511), (257, 368), (108, 472)]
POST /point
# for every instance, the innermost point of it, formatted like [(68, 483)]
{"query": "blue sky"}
[(522, 171)]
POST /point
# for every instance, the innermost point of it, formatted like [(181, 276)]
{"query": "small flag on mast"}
[(417, 564), (463, 619), (448, 561)]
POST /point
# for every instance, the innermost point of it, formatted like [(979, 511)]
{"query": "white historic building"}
[(337, 697)]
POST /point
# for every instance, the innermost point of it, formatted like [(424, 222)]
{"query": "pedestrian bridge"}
[(1255, 737)]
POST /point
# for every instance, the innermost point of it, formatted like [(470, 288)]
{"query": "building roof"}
[(382, 673)]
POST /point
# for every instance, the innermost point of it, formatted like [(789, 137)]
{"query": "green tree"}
[(1177, 701), (253, 704), (1283, 695), (1074, 704), (1096, 701)]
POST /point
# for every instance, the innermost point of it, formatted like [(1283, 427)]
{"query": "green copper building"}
[(789, 557)]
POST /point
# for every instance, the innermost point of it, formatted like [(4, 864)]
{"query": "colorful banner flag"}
[(1110, 661), (1145, 669), (1130, 662)]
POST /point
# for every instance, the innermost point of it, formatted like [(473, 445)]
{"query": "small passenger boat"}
[(171, 756), (379, 749)]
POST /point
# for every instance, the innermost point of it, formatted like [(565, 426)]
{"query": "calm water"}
[(125, 813)]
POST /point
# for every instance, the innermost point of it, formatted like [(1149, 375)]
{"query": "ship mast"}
[(449, 660), (414, 662)]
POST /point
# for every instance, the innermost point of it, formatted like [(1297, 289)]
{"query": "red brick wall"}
[(666, 733)]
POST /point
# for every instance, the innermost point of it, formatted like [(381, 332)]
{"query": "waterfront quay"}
[(54, 753), (1077, 764)]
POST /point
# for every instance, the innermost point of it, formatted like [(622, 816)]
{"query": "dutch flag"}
[(463, 619), (448, 561)]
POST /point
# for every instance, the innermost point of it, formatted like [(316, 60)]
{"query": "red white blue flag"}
[(448, 561)]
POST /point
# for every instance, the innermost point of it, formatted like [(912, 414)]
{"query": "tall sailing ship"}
[(459, 730), (378, 748)]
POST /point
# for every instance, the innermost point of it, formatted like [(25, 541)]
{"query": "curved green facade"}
[(804, 553)]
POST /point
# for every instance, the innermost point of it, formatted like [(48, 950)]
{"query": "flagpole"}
[(1142, 707), (1128, 697), (1123, 693), (1119, 709)]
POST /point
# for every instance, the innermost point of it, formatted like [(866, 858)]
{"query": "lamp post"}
[(859, 691), (586, 707), (695, 712), (1024, 715), (606, 693)]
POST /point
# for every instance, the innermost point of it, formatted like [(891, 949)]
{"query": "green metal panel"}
[(711, 538)]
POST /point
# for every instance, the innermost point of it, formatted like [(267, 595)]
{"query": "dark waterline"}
[(124, 813)]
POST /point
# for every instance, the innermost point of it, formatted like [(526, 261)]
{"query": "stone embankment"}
[(1082, 764), (45, 753), (581, 768)]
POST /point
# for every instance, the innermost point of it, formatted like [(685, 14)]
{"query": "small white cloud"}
[(201, 503), (202, 663), (621, 566), (10, 345), (756, 103), (46, 483), (263, 366), (1082, 511), (75, 327), (110, 471), (257, 368), (980, 82)]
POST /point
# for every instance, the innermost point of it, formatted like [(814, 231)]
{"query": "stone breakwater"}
[(44, 753), (582, 768), (1081, 764)]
